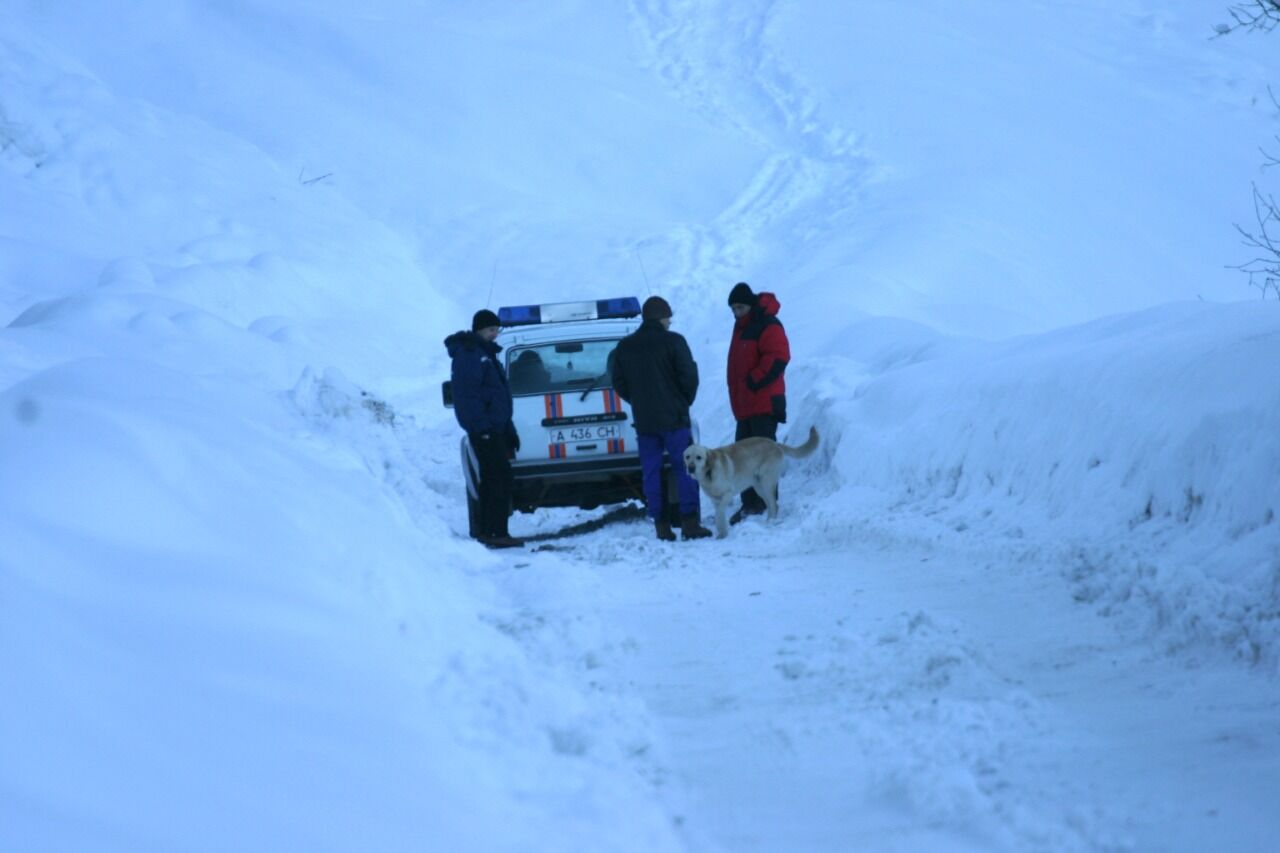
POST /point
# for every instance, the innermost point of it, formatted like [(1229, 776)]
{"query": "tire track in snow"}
[(834, 655), (716, 58), (781, 660)]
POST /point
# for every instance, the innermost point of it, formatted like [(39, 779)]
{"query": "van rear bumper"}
[(586, 485), (601, 467)]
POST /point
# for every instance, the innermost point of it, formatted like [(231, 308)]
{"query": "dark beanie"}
[(742, 295), (655, 308), (484, 319)]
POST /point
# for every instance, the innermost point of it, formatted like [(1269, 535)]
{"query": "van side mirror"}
[(446, 392)]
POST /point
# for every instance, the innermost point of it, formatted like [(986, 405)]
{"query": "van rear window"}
[(562, 366)]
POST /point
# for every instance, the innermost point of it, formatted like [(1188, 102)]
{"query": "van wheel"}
[(473, 516)]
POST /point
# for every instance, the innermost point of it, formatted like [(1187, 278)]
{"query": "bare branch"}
[(1264, 269), (1261, 16), (1269, 159)]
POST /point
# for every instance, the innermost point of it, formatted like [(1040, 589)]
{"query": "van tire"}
[(473, 515)]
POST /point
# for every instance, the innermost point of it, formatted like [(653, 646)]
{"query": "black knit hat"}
[(742, 295), (484, 319), (655, 308)]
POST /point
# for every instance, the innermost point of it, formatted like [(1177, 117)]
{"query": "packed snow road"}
[(833, 682)]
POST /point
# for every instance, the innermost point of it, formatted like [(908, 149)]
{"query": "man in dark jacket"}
[(654, 371), (758, 357), (482, 405)]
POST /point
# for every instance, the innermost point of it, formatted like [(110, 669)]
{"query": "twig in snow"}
[(309, 181)]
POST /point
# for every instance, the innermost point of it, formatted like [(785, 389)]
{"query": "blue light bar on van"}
[(563, 312), (626, 306), (520, 315)]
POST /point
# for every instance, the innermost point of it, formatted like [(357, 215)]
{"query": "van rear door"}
[(565, 405)]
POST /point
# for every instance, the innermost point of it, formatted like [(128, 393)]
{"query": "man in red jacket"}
[(758, 356)]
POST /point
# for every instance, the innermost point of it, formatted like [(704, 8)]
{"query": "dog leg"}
[(722, 524), (770, 495)]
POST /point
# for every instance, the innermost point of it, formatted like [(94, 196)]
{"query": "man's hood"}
[(768, 304), (459, 341)]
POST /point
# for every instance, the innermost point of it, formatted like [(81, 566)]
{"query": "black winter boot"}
[(665, 533), (691, 527)]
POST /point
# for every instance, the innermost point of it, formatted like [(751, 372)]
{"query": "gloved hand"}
[(513, 437)]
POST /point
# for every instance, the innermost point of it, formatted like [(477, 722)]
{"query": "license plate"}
[(584, 432)]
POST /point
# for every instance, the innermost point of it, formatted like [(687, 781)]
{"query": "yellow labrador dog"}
[(724, 472)]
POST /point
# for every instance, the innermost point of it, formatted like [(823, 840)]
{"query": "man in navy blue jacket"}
[(482, 405)]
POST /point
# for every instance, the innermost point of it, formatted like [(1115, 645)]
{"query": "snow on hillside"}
[(1139, 449), (236, 606)]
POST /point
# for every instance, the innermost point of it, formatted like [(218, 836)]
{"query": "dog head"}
[(695, 459)]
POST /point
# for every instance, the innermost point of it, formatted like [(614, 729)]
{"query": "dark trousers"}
[(761, 426), (495, 482), (651, 447)]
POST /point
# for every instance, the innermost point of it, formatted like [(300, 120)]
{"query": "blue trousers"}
[(652, 446)]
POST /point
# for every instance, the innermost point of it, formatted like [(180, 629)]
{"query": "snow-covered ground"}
[(1026, 596)]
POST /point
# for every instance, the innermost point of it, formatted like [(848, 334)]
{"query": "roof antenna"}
[(642, 270), (492, 279)]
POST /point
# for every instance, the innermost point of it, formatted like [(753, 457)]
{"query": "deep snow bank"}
[(227, 624), (230, 614), (1143, 447)]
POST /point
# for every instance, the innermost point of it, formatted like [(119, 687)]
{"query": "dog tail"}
[(805, 449)]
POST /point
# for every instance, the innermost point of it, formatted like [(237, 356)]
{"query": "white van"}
[(577, 441)]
